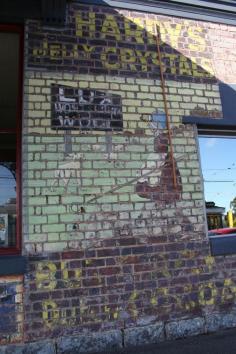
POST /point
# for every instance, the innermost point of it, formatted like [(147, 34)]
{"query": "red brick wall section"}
[(111, 244)]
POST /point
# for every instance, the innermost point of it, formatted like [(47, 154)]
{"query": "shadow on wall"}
[(100, 40), (145, 267)]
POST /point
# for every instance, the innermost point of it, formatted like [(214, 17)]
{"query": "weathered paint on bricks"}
[(112, 244)]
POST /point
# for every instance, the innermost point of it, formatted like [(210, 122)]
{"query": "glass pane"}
[(9, 58), (218, 163), (7, 190)]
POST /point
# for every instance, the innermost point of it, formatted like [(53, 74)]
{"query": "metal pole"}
[(158, 41)]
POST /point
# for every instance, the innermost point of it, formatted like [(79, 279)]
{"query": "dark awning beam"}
[(186, 9), (51, 12), (228, 5), (212, 126)]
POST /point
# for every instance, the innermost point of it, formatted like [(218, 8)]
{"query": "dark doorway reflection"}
[(9, 98), (7, 204), (7, 190)]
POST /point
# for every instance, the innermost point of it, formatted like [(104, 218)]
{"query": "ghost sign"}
[(85, 109)]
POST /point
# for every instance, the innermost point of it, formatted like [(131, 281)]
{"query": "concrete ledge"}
[(42, 347), (96, 342), (144, 335), (185, 328), (213, 323), (216, 322), (130, 337)]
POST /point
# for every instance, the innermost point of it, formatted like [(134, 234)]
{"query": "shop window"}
[(10, 128), (218, 162)]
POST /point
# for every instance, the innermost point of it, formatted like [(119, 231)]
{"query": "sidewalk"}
[(223, 342)]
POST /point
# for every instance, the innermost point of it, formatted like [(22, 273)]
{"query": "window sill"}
[(12, 265), (223, 245)]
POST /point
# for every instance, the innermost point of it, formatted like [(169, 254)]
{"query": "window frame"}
[(220, 245), (16, 250)]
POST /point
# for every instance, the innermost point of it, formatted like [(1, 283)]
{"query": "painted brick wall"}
[(111, 243), (130, 248), (11, 309), (89, 195)]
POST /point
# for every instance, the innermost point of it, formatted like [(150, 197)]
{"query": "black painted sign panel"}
[(85, 109)]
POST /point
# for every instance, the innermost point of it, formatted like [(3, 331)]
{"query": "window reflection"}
[(7, 204), (218, 163)]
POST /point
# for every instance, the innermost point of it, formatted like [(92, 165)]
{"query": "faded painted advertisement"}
[(85, 109)]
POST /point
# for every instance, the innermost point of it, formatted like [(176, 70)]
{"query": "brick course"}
[(111, 245)]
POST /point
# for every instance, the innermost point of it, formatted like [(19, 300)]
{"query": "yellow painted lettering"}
[(65, 274), (229, 290), (206, 64), (75, 281), (41, 52), (184, 66), (186, 301), (87, 25), (154, 58), (83, 307), (142, 57), (107, 62), (50, 313), (132, 308), (173, 32), (45, 276), (133, 296), (139, 22), (153, 301), (110, 28), (150, 26), (190, 305), (136, 34), (87, 49), (116, 314), (233, 287), (70, 53), (72, 320), (128, 58), (210, 261), (63, 317), (199, 43), (172, 62), (67, 316), (55, 51), (207, 294), (77, 274), (197, 71)]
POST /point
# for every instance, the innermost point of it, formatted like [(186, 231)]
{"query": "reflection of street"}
[(7, 205), (3, 228), (7, 181), (8, 223)]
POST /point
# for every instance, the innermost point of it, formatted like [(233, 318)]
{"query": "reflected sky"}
[(218, 161), (7, 185)]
